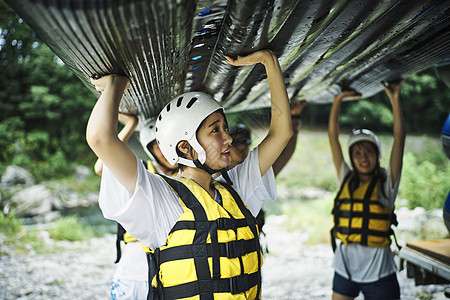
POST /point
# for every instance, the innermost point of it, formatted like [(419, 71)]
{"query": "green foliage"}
[(424, 99), (425, 172), (367, 114), (90, 184), (423, 183), (11, 138), (44, 107), (17, 237), (311, 164), (71, 229), (313, 216), (424, 296), (10, 226)]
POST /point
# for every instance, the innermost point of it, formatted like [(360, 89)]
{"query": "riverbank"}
[(292, 270)]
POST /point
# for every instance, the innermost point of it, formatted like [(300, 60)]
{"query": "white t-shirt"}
[(367, 264), (154, 208), (133, 263)]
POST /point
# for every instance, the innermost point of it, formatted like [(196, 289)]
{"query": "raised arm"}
[(333, 128), (396, 160), (280, 130), (101, 131), (124, 135), (285, 156)]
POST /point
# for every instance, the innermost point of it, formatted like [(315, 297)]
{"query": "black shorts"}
[(384, 288)]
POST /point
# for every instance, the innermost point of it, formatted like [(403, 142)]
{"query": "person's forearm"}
[(280, 113), (289, 150), (392, 90), (102, 124), (285, 155), (333, 121), (124, 135), (399, 139), (127, 131), (333, 133), (398, 126)]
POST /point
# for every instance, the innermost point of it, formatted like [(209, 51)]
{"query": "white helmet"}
[(364, 135), (147, 135), (179, 120)]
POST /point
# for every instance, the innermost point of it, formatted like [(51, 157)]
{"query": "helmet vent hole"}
[(168, 107), (179, 101), (191, 102), (160, 117)]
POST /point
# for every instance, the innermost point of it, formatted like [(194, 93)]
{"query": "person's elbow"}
[(288, 135), (93, 138), (96, 138), (98, 168)]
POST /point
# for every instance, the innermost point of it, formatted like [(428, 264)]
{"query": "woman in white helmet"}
[(202, 233), (364, 207)]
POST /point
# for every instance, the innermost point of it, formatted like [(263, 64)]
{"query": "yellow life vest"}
[(359, 217), (212, 252)]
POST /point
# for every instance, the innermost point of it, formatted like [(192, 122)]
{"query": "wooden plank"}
[(438, 249), (424, 268)]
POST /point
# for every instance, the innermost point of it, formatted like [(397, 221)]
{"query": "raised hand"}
[(297, 107), (393, 88), (116, 80), (349, 94), (261, 56)]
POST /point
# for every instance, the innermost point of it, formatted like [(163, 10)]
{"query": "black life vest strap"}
[(215, 250), (119, 238), (394, 222), (222, 224), (233, 285), (154, 293), (230, 249), (207, 284), (223, 171), (252, 224), (336, 213), (199, 242), (361, 231), (360, 214), (366, 209)]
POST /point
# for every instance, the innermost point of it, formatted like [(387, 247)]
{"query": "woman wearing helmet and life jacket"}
[(364, 205), (202, 232)]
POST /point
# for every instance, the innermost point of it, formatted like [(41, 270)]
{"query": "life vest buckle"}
[(239, 284), (235, 249), (224, 224)]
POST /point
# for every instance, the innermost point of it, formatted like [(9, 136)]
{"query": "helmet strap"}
[(211, 171), (158, 161)]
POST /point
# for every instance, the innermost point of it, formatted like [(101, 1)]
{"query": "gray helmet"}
[(179, 120)]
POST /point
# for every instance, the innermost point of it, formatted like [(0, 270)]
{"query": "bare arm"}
[(280, 130), (101, 131), (333, 128), (124, 135), (396, 160), (285, 156)]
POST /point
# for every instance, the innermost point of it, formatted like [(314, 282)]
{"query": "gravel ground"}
[(292, 270)]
